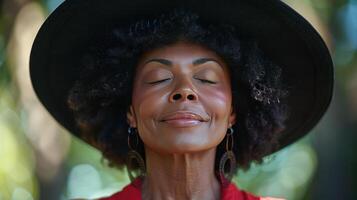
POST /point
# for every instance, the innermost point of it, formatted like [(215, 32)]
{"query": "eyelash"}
[(207, 81), (158, 81), (202, 80)]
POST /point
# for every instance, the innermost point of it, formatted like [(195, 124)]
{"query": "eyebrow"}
[(169, 63)]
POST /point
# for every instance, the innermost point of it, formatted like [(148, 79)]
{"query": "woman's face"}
[(173, 87)]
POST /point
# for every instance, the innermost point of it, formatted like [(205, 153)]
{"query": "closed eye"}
[(158, 81), (207, 81), (202, 80)]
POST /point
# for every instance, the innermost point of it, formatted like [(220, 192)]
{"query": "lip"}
[(179, 123), (183, 116)]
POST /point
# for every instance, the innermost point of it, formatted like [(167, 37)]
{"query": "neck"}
[(180, 176)]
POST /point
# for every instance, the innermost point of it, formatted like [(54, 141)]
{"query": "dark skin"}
[(180, 155)]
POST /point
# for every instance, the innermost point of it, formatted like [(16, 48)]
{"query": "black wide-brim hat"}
[(284, 35)]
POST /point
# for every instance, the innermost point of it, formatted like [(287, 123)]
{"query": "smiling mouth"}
[(183, 115), (183, 118), (183, 122)]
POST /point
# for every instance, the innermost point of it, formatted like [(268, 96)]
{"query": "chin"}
[(185, 147)]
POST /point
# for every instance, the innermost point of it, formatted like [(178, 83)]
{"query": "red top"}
[(230, 192)]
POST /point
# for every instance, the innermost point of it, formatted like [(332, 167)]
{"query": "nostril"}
[(176, 96)]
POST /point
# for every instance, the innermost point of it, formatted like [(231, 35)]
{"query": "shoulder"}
[(232, 192), (130, 191)]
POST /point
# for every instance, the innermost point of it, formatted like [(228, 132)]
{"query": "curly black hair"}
[(101, 97)]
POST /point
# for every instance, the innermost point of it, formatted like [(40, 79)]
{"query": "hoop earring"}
[(228, 155), (134, 155)]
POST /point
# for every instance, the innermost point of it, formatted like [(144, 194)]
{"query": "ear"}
[(130, 115), (232, 117)]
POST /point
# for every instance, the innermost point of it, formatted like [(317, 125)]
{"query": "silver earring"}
[(228, 155), (133, 155)]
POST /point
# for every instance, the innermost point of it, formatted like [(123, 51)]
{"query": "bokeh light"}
[(40, 160)]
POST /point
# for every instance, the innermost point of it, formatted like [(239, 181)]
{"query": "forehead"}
[(181, 53)]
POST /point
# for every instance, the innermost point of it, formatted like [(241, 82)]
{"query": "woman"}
[(182, 92)]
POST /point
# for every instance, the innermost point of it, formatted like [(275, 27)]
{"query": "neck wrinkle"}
[(180, 176)]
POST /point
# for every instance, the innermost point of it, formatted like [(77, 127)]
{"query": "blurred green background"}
[(40, 160)]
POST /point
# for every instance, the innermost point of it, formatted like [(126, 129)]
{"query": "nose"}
[(183, 94)]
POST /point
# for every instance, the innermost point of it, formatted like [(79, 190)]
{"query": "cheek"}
[(219, 104), (218, 101), (147, 103)]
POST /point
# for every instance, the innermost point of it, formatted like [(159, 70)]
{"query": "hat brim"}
[(284, 35)]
